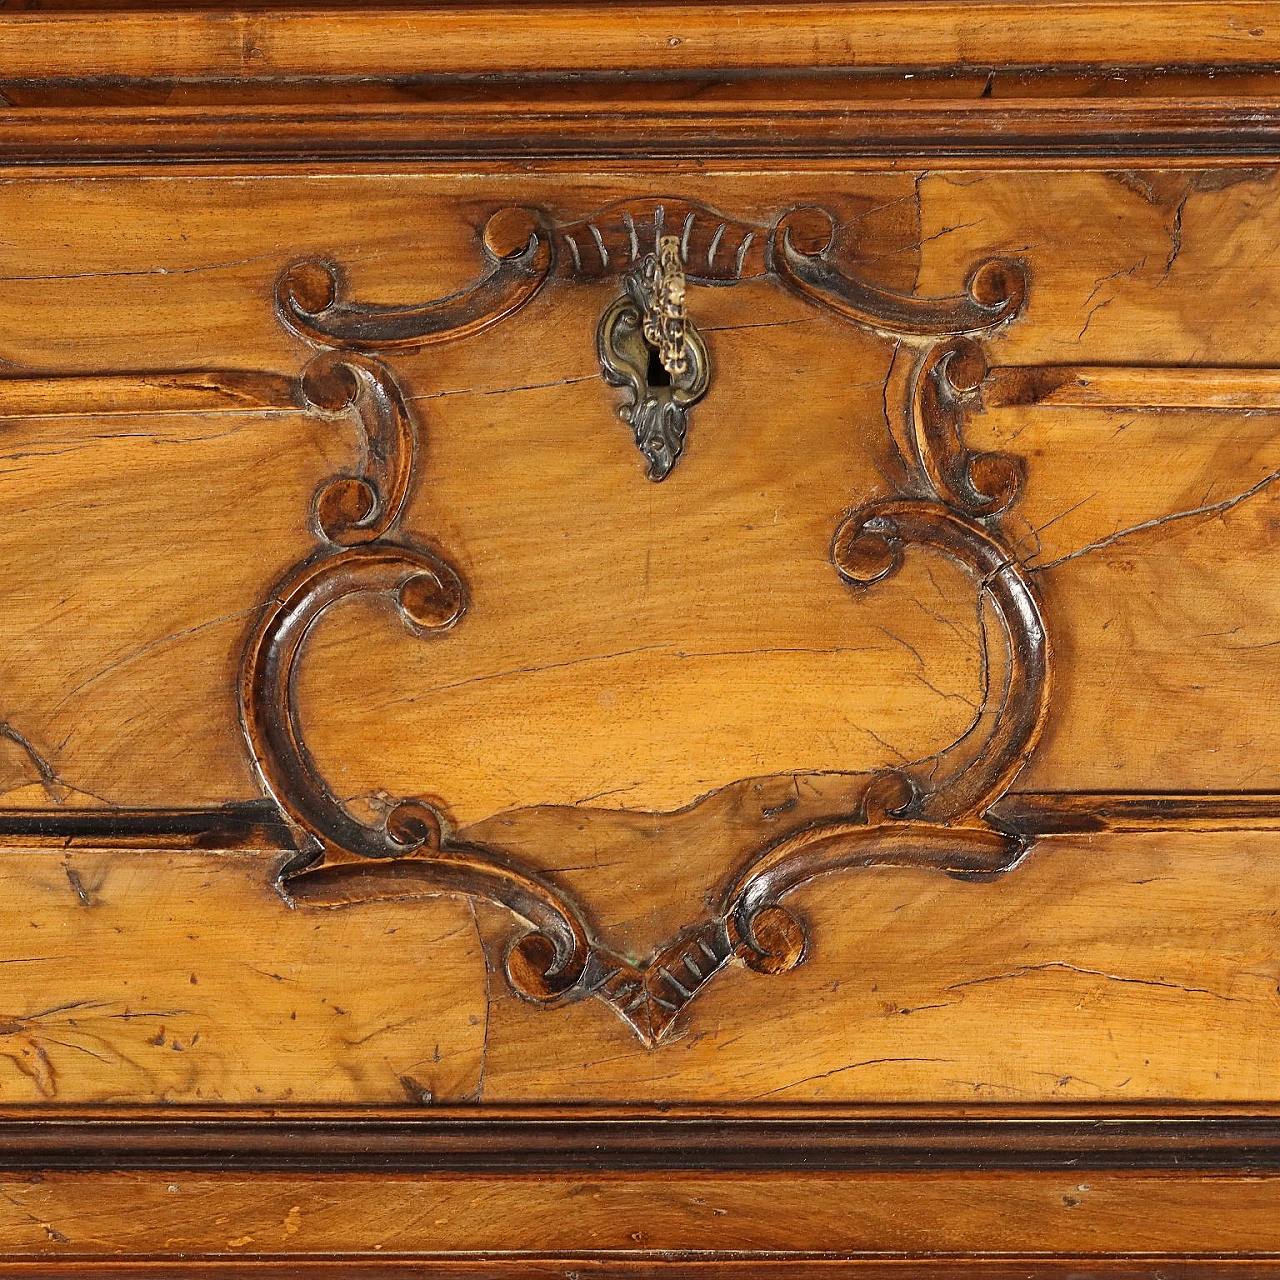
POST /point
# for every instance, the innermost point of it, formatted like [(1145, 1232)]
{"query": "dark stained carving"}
[(939, 817), (412, 840), (542, 965), (355, 509), (647, 345), (947, 384), (714, 249), (800, 245), (429, 597), (310, 295), (868, 548), (411, 845)]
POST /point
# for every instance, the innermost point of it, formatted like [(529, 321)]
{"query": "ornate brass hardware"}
[(647, 344), (664, 314)]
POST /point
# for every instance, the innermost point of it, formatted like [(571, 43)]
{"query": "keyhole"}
[(657, 375)]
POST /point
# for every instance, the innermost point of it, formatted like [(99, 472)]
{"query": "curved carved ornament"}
[(950, 506), (801, 242), (713, 249), (355, 509), (310, 295)]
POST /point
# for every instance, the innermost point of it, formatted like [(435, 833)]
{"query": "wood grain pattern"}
[(519, 1225), (181, 977), (1004, 415), (411, 40), (549, 728), (1117, 968), (934, 818), (1157, 323)]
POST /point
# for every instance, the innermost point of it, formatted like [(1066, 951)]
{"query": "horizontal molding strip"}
[(255, 825), (711, 1265), (484, 38), (498, 1140), (952, 128)]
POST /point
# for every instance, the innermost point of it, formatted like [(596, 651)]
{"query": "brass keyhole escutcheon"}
[(648, 345)]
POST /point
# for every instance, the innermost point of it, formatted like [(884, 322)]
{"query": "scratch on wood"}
[(835, 1071), (1175, 238), (77, 885), (1212, 508), (1022, 970), (54, 786)]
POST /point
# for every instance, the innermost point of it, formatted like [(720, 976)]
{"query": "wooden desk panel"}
[(660, 676)]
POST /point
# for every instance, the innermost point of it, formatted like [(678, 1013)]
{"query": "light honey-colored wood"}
[(181, 977), (1113, 968), (477, 38), (216, 1062), (1170, 463), (1135, 967), (392, 1220)]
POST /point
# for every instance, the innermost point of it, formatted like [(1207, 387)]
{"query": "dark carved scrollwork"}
[(944, 384), (356, 509), (310, 295), (800, 243), (410, 854), (936, 820), (950, 504), (868, 547)]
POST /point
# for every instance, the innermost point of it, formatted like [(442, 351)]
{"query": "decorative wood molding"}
[(256, 826), (176, 392), (479, 38), (495, 1138), (800, 244), (956, 816), (710, 1265), (310, 296), (1132, 387), (1088, 132)]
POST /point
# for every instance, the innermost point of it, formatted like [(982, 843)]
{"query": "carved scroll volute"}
[(770, 939), (947, 388), (410, 853), (951, 498), (429, 597), (868, 548), (358, 509), (936, 820), (799, 254), (415, 856), (310, 295)]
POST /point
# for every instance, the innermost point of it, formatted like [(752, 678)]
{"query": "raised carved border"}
[(950, 504)]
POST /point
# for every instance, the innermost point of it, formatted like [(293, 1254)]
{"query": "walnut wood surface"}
[(386, 764), (416, 39), (1044, 1224)]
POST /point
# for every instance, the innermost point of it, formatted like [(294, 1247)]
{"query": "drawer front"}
[(873, 702)]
